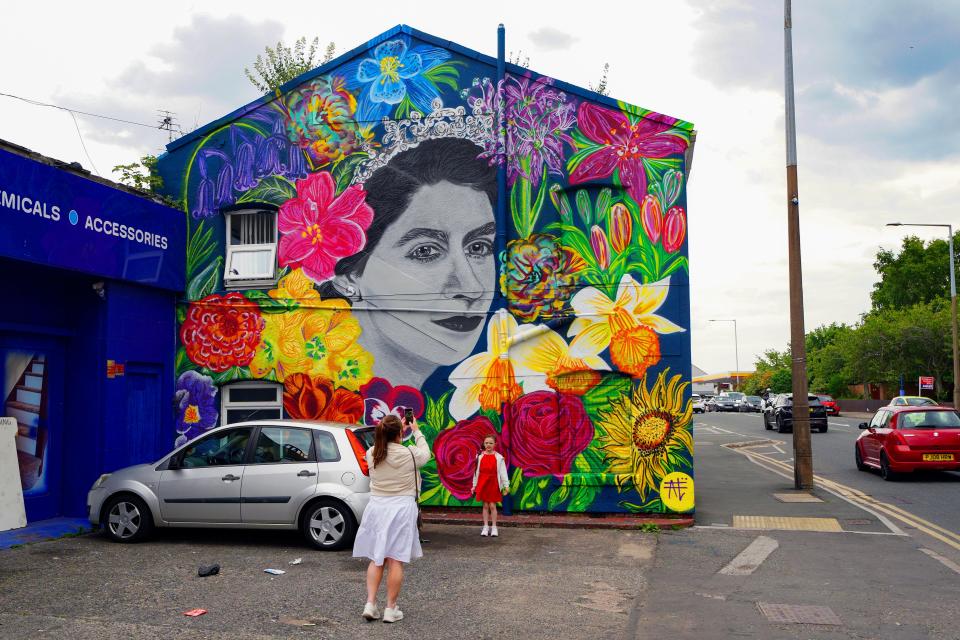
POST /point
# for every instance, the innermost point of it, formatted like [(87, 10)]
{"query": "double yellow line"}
[(946, 536)]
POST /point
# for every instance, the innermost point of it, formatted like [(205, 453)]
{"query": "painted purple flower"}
[(381, 398), (537, 117), (196, 402)]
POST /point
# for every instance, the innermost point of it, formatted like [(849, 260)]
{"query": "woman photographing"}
[(388, 534)]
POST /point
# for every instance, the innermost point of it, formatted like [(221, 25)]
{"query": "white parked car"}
[(699, 406), (268, 474)]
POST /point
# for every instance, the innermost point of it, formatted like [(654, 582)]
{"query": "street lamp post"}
[(953, 302), (736, 352)]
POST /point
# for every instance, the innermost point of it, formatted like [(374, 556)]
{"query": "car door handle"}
[(230, 477), (306, 474)]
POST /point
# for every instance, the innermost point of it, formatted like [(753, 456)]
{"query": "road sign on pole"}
[(926, 382)]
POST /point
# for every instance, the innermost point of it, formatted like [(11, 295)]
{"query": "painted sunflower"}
[(647, 433)]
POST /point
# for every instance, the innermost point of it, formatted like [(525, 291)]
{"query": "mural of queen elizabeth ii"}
[(374, 183)]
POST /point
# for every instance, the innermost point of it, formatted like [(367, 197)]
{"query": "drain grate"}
[(796, 497), (799, 614)]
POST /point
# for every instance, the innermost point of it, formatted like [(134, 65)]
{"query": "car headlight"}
[(100, 481)]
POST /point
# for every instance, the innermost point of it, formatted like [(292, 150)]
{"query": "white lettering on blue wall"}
[(32, 206)]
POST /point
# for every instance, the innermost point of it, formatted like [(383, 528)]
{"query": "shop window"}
[(244, 401), (251, 248)]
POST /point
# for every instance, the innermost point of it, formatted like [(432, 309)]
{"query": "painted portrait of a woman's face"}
[(425, 282)]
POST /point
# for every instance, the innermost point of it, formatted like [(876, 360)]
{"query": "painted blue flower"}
[(196, 401), (393, 73)]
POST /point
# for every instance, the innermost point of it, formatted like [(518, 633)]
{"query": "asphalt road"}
[(931, 496)]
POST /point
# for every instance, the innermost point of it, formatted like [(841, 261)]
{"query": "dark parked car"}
[(905, 439), (750, 404), (726, 402), (780, 414)]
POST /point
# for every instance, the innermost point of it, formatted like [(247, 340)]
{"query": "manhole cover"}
[(858, 522), (798, 614), (796, 497)]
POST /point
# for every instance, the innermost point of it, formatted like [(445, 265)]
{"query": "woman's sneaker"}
[(493, 532), (370, 612), (392, 615), (485, 531)]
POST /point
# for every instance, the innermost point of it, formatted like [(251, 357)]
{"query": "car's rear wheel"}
[(859, 459), (328, 524), (780, 427), (823, 429), (885, 471), (127, 519)]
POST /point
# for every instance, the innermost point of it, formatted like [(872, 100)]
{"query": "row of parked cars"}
[(727, 401)]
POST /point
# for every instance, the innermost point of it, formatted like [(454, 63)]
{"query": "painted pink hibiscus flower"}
[(319, 227), (620, 143)]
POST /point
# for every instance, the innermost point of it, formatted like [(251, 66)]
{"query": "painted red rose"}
[(456, 451), (306, 398), (220, 332), (547, 431)]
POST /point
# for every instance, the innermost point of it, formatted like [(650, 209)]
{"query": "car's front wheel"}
[(127, 519), (328, 524), (780, 427)]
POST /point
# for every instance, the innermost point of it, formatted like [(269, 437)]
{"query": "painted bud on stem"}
[(621, 227)]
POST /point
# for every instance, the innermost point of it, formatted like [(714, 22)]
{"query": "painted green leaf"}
[(562, 494), (231, 374), (516, 479), (205, 283), (200, 246), (273, 190), (182, 362), (344, 170), (271, 305), (582, 497)]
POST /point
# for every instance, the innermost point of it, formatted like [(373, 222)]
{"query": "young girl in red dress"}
[(490, 483)]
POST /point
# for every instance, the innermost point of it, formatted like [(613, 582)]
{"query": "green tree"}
[(825, 359), (918, 273), (773, 370), (140, 175), (281, 64)]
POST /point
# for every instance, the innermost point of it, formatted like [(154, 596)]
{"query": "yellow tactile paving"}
[(785, 523), (796, 497)]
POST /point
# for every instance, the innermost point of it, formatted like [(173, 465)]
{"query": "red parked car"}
[(904, 439), (833, 409)]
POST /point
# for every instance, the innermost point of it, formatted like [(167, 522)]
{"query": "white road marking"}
[(947, 562), (750, 558)]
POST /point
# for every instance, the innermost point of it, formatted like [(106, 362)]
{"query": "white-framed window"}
[(242, 401), (251, 248)]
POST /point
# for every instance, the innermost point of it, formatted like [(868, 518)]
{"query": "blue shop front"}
[(91, 272)]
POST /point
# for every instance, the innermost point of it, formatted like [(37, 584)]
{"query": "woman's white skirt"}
[(389, 530)]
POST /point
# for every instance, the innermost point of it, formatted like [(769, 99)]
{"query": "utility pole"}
[(802, 451)]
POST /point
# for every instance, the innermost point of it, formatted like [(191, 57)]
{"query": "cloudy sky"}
[(878, 83)]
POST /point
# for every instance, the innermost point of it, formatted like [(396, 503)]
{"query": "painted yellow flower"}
[(487, 380), (543, 350), (296, 287), (318, 339), (647, 433), (628, 325)]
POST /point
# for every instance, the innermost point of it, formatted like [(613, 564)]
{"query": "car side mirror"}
[(864, 425)]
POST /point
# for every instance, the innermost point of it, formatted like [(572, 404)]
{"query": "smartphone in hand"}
[(408, 416)]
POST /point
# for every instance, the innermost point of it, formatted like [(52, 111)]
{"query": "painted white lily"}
[(489, 379), (627, 325)]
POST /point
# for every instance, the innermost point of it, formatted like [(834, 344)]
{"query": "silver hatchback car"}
[(271, 474)]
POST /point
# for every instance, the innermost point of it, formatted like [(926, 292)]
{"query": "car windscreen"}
[(366, 435), (753, 398), (929, 420), (920, 402), (733, 395), (825, 398), (812, 401)]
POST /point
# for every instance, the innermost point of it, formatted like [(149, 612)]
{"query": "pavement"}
[(755, 566)]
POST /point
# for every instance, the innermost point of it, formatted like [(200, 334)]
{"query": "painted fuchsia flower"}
[(319, 227), (621, 144), (381, 398)]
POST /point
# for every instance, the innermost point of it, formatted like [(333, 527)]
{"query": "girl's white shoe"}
[(493, 532), (485, 531)]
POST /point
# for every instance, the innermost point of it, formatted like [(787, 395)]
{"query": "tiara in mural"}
[(441, 122)]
